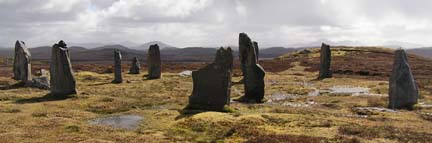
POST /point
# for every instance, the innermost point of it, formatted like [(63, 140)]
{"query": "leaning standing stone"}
[(135, 67), (325, 61), (212, 84), (403, 91), (117, 67), (62, 80), (22, 63), (253, 73), (154, 62)]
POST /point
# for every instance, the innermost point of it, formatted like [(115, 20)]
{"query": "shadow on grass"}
[(45, 98), (97, 84), (13, 86)]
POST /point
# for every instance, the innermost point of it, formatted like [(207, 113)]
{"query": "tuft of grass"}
[(388, 132), (72, 128), (40, 114), (377, 101)]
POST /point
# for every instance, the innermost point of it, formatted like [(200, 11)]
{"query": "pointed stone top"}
[(325, 45), (244, 36), (19, 44), (400, 53), (155, 45), (229, 49), (62, 44)]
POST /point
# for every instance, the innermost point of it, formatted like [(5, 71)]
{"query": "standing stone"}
[(403, 91), (325, 61), (117, 67), (212, 84), (245, 45), (22, 63), (62, 80), (135, 67), (253, 73), (154, 62)]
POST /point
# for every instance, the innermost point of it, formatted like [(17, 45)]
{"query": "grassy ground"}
[(27, 116)]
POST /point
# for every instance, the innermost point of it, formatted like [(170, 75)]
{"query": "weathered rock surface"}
[(135, 67), (22, 63), (253, 73), (154, 62), (212, 84), (62, 79), (255, 44), (403, 91), (325, 62), (118, 78)]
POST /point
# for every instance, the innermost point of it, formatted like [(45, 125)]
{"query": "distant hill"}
[(6, 52), (44, 52), (274, 52), (147, 45), (424, 52), (104, 53)]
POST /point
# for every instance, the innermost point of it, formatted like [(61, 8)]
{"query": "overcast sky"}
[(215, 22)]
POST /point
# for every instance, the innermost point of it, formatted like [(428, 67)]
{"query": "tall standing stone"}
[(117, 67), (22, 63), (253, 73), (325, 62), (62, 80), (245, 45), (212, 84), (403, 91), (135, 67), (154, 62)]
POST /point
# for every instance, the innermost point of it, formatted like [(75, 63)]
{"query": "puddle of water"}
[(423, 105), (314, 93), (379, 109), (275, 82), (348, 90), (292, 104), (355, 116), (129, 122), (185, 73), (280, 97)]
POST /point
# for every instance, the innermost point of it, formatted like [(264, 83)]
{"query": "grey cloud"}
[(215, 22)]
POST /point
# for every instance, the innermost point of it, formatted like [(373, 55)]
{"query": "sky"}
[(184, 23)]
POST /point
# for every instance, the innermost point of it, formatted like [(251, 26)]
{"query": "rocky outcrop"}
[(154, 62), (212, 84), (135, 66), (62, 79), (22, 63), (118, 78), (325, 62), (403, 91)]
